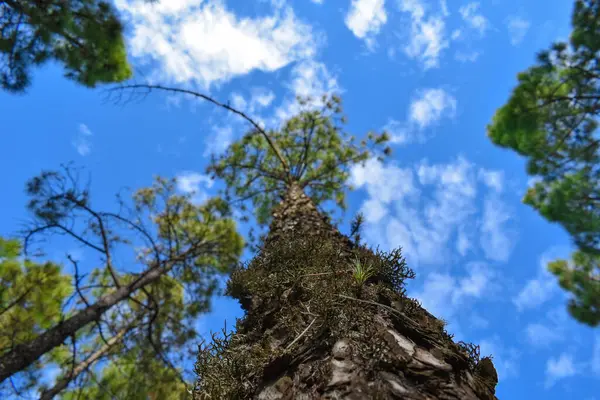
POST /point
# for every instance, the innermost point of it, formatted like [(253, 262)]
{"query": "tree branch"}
[(61, 384), (271, 143)]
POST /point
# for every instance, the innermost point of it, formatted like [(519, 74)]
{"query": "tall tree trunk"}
[(315, 329)]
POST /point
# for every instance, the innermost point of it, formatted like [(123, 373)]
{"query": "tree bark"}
[(311, 332)]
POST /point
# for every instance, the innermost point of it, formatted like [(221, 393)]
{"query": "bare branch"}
[(272, 144), (23, 355), (84, 365)]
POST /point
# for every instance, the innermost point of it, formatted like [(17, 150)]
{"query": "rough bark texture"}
[(312, 331)]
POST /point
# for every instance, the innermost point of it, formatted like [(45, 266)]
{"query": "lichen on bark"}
[(313, 331)]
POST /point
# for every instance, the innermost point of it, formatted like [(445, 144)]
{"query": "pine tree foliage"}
[(581, 276), (85, 36), (551, 118), (31, 300), (117, 315), (326, 317), (311, 149), (317, 323)]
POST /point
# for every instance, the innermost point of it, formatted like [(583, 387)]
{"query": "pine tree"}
[(31, 300), (121, 314), (325, 317), (84, 35), (551, 119)]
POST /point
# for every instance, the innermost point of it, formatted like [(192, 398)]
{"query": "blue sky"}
[(430, 72)]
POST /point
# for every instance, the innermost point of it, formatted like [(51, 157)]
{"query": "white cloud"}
[(311, 79), (534, 293), (492, 179), (423, 209), (190, 182), (187, 41), (444, 7), (374, 210), (473, 18), (496, 240), (238, 102), (540, 289), (400, 133), (506, 361), (217, 144), (384, 184), (463, 244), (225, 129), (430, 106), (517, 29), (365, 19), (540, 335), (260, 98), (427, 35), (443, 294), (447, 210), (426, 109), (553, 329), (476, 321), (559, 368), (470, 56), (82, 142)]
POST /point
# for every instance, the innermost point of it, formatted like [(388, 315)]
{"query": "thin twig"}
[(272, 144), (301, 334)]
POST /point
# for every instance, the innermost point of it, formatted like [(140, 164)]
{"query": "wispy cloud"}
[(426, 109), (550, 330), (517, 29), (444, 294), (444, 8), (188, 41), (560, 368), (309, 78), (220, 141), (427, 35), (82, 141), (365, 19), (194, 184), (535, 293), (540, 289), (426, 208), (384, 184), (496, 239), (260, 98), (469, 56), (471, 15), (493, 179), (541, 335), (430, 106)]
